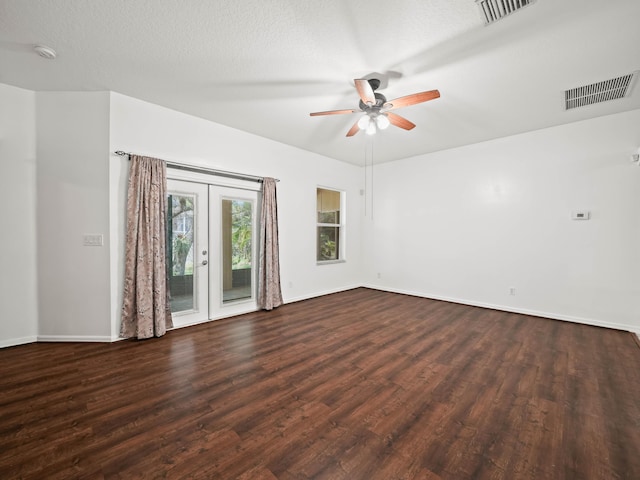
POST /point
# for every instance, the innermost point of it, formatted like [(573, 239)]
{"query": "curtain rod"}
[(211, 171)]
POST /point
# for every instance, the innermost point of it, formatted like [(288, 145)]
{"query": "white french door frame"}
[(210, 300), (194, 305), (218, 308)]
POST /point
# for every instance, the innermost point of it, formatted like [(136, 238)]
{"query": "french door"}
[(212, 243)]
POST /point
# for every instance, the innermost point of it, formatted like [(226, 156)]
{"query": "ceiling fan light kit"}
[(371, 122), (376, 108), (364, 122), (382, 121)]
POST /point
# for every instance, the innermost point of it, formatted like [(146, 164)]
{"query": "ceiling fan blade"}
[(365, 91), (399, 121), (353, 130), (333, 112), (411, 99)]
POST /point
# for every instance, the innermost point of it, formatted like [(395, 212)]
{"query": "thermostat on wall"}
[(580, 215)]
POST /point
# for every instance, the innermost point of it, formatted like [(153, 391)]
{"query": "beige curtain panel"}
[(269, 291), (146, 311)]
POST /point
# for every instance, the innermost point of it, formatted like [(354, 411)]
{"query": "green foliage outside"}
[(181, 211), (327, 245), (241, 242), (181, 243), (327, 248)]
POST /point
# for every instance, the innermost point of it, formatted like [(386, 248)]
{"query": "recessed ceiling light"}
[(45, 52)]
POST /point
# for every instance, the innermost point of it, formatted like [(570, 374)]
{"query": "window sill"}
[(330, 262)]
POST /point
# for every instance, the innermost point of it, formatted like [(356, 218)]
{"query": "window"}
[(329, 227)]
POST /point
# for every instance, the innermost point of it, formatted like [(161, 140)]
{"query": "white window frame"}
[(340, 226)]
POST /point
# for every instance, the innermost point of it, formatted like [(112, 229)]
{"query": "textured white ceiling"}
[(263, 65)]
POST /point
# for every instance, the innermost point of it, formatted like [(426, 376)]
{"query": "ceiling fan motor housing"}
[(375, 83), (380, 101)]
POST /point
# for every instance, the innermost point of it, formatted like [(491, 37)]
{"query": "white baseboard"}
[(550, 315), (320, 294), (523, 311), (74, 338), (12, 342)]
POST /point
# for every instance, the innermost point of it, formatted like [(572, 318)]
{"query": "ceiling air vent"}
[(494, 10), (598, 92)]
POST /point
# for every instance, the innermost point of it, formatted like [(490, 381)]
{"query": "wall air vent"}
[(598, 92), (494, 10)]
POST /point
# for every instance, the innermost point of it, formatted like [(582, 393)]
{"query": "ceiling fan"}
[(376, 108)]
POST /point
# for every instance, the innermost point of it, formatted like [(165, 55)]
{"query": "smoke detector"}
[(45, 52)]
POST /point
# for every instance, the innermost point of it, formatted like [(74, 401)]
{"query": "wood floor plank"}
[(362, 384)]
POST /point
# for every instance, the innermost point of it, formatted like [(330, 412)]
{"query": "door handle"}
[(204, 262)]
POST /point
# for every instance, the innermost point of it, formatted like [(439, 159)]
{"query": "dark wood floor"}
[(356, 385)]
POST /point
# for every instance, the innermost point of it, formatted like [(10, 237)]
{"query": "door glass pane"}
[(237, 248), (180, 251)]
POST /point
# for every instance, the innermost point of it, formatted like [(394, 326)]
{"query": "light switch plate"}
[(92, 240)]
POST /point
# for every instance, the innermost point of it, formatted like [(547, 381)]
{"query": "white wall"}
[(18, 275), (147, 129), (465, 224), (468, 224), (73, 200)]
